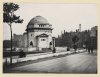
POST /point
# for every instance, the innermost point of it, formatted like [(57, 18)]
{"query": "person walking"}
[(90, 46)]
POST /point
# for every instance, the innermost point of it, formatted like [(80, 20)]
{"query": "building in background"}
[(65, 39), (19, 39), (38, 36), (93, 32), (93, 37)]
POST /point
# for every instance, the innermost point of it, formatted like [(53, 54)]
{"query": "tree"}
[(75, 39), (9, 17)]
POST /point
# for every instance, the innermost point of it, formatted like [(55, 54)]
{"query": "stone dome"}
[(38, 20)]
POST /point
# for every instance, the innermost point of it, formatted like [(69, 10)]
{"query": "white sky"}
[(62, 17)]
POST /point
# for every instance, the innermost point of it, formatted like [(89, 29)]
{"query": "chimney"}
[(79, 27), (64, 31)]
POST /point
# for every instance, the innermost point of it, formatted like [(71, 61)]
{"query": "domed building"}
[(38, 34)]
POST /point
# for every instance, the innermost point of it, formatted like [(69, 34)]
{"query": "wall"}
[(36, 33)]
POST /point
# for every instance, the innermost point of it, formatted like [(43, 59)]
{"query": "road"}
[(75, 63)]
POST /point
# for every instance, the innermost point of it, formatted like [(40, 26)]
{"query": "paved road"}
[(76, 63)]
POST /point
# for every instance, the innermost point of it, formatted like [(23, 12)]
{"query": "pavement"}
[(61, 62), (81, 63), (41, 55)]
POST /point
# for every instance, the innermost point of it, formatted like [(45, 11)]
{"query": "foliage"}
[(8, 13), (75, 39)]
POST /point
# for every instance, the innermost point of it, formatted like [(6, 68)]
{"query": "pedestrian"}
[(75, 47), (68, 49), (90, 49), (90, 46)]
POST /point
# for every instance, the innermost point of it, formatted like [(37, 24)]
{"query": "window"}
[(31, 43), (42, 39), (40, 25)]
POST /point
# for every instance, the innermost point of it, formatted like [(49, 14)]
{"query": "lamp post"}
[(53, 44)]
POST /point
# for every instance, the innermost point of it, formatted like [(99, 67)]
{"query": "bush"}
[(22, 54)]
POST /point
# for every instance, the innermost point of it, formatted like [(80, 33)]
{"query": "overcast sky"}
[(62, 17)]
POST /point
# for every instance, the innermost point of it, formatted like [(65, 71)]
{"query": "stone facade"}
[(38, 34), (19, 39)]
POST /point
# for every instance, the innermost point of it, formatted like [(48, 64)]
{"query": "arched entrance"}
[(42, 41)]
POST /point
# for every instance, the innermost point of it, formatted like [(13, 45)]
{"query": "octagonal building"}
[(38, 33)]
